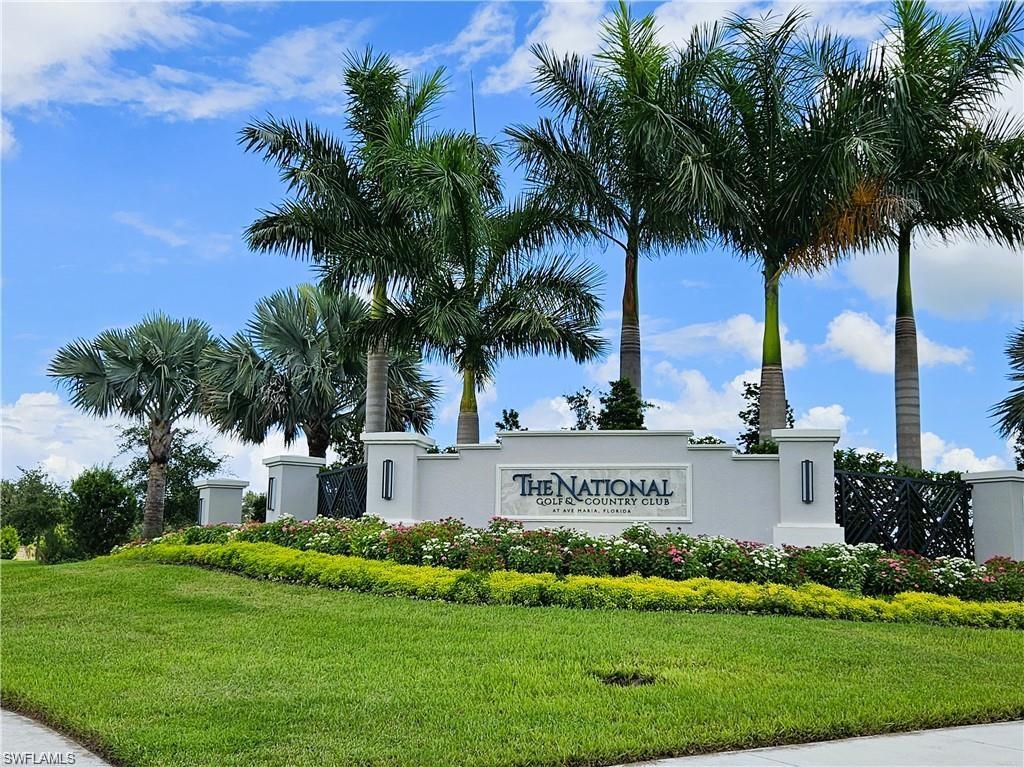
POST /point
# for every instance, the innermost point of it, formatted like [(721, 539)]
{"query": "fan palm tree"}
[(333, 197), (602, 154), (490, 296), (797, 151), (962, 166), (149, 373), (299, 366), (1010, 411)]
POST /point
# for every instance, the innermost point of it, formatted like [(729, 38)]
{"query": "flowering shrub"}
[(577, 591), (832, 564), (638, 550)]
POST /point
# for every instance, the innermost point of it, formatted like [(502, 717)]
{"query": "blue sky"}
[(124, 191)]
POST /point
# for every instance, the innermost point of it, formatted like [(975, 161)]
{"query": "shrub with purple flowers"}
[(638, 550)]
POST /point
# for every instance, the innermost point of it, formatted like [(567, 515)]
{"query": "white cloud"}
[(740, 334), (939, 455), (48, 47), (306, 63), (699, 405), (139, 224), (861, 20), (8, 143), (205, 245), (41, 429), (547, 414), (868, 345), (961, 279), (491, 30), (603, 372), (823, 417), (67, 53), (562, 26)]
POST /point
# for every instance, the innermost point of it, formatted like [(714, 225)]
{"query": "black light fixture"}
[(387, 485), (270, 493), (807, 481)]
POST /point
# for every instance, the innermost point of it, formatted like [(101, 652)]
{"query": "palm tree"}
[(1010, 411), (490, 296), (796, 150), (963, 168), (148, 372), (333, 197), (602, 154), (299, 367)]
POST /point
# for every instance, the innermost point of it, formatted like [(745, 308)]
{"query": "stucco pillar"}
[(401, 449), (806, 518), (293, 485), (997, 503), (220, 501)]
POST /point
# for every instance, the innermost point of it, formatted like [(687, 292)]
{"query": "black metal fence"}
[(931, 517), (342, 492)]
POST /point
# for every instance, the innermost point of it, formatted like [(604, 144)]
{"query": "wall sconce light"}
[(807, 481), (387, 485)]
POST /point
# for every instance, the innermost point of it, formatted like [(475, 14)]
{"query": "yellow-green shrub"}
[(267, 560)]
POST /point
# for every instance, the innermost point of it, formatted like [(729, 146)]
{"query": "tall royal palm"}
[(491, 295), (149, 373), (961, 164), (334, 199), (602, 153), (299, 367), (798, 155)]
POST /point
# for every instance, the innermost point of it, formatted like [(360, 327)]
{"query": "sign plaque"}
[(627, 492)]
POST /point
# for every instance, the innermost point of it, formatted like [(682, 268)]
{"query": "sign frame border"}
[(688, 467)]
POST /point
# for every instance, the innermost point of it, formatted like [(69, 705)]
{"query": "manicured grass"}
[(167, 665)]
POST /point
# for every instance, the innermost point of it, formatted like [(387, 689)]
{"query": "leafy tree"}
[(1010, 412), (801, 155), (707, 439), (32, 504), (148, 372), (254, 507), (582, 407), (348, 443), (751, 417), (189, 460), (491, 295), (509, 421), (621, 408), (873, 462), (9, 542), (298, 367), (339, 213), (603, 153), (101, 511), (961, 165)]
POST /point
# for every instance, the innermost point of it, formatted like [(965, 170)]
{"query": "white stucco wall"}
[(998, 506), (734, 495), (220, 500)]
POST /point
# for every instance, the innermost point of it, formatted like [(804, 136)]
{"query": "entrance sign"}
[(630, 492)]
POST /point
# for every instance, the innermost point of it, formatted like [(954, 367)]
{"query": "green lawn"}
[(166, 665)]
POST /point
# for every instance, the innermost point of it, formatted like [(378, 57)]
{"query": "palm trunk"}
[(772, 403), (908, 385), (629, 337), (318, 439), (469, 419), (377, 369), (156, 485)]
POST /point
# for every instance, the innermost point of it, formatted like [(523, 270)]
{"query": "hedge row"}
[(265, 560)]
